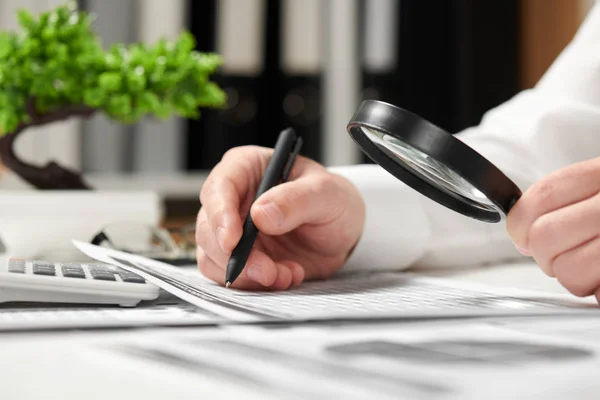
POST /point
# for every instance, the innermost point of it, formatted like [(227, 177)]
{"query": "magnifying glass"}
[(432, 161)]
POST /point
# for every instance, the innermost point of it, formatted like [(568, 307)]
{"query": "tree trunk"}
[(51, 176)]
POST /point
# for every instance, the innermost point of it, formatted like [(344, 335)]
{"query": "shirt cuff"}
[(396, 232)]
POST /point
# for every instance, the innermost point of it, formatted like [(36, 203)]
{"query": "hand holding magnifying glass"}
[(555, 221), (432, 161)]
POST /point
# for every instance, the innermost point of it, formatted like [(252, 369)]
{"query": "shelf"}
[(184, 186)]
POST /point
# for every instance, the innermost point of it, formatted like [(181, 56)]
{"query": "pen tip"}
[(227, 284)]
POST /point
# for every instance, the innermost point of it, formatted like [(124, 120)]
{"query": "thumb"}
[(313, 199)]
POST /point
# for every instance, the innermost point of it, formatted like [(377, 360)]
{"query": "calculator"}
[(41, 281)]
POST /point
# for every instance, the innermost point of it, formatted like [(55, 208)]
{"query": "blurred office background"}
[(305, 64)]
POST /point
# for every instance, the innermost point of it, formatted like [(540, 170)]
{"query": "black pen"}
[(286, 149)]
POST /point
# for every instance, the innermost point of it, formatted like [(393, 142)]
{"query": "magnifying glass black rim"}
[(441, 146)]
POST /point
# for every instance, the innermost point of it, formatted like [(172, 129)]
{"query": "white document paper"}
[(362, 296), (498, 358), (424, 360), (167, 310)]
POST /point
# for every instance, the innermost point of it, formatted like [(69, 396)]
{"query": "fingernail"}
[(221, 237), (273, 213), (522, 251), (254, 273)]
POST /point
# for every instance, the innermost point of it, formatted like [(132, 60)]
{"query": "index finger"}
[(560, 189), (229, 184), (232, 184)]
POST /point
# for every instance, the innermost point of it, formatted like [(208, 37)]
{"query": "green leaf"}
[(63, 13), (157, 73), (185, 42), (9, 120), (73, 91), (86, 60), (135, 115), (26, 20), (160, 48), (49, 34), (94, 97), (137, 54), (43, 20), (208, 62), (59, 51), (31, 47), (69, 30), (163, 111), (6, 44), (24, 117), (4, 115), (58, 59), (136, 80), (110, 81), (148, 100), (184, 104), (41, 87), (120, 105), (212, 95), (89, 79)]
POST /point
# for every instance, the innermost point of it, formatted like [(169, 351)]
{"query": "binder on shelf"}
[(159, 145), (456, 59), (381, 31), (341, 80), (107, 145), (270, 118), (238, 36), (301, 66), (425, 64), (380, 26), (484, 56), (201, 23)]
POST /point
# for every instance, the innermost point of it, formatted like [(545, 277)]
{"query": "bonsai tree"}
[(56, 68)]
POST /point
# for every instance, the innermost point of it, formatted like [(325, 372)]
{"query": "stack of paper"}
[(357, 296), (194, 300)]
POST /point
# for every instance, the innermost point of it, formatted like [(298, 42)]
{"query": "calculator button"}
[(16, 265), (44, 268), (130, 277), (71, 265), (73, 271), (102, 274)]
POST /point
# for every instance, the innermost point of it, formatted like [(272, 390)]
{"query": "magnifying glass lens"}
[(432, 161), (429, 169)]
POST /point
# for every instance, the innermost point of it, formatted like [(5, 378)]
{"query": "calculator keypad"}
[(74, 271)]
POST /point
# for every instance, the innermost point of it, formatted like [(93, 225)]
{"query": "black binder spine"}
[(301, 65), (380, 27), (238, 34)]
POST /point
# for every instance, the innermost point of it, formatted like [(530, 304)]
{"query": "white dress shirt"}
[(539, 130)]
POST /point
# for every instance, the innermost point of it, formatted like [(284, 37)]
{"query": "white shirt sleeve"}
[(555, 124)]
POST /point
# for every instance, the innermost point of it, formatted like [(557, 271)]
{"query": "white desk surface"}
[(523, 275), (40, 365)]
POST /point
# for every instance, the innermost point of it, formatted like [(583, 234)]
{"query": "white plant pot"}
[(42, 224)]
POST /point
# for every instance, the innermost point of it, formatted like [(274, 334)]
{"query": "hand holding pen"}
[(306, 225), (284, 155)]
